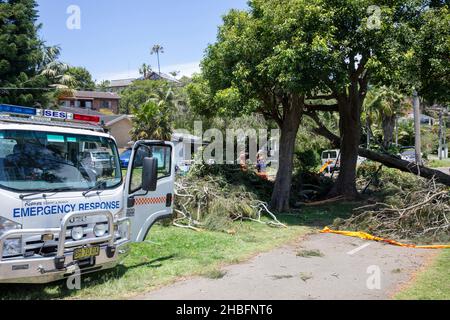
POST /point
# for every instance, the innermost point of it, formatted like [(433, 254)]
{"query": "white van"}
[(333, 159)]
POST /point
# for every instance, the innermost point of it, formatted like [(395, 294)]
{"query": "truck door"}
[(146, 208)]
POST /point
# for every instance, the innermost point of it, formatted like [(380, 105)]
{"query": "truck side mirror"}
[(150, 174)]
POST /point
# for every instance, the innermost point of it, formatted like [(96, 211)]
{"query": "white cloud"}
[(186, 69)]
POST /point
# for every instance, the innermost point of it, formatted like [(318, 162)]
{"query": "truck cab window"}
[(40, 161), (161, 153)]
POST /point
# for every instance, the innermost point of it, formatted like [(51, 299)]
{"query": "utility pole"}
[(444, 138), (441, 131), (368, 132), (396, 130), (418, 146)]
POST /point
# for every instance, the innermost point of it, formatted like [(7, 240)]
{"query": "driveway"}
[(321, 266)]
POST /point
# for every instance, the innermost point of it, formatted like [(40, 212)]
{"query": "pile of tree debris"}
[(416, 210), (213, 196)]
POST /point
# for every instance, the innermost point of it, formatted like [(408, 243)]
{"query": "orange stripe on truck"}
[(147, 201)]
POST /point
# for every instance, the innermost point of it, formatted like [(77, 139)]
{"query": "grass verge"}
[(432, 284), (439, 163)]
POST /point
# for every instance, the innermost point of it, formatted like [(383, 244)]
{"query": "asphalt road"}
[(348, 268)]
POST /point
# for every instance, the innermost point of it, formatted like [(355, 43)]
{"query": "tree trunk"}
[(388, 160), (350, 129), (388, 124), (282, 188), (406, 166)]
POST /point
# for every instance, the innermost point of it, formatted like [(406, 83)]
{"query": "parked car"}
[(125, 158), (126, 155), (408, 154)]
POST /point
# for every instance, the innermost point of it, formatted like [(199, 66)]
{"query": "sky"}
[(113, 38)]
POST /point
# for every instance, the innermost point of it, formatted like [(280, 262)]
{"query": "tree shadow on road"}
[(59, 289)]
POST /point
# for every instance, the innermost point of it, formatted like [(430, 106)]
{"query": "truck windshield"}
[(41, 161)]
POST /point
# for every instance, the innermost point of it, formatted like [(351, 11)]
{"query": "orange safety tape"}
[(366, 236), (325, 166)]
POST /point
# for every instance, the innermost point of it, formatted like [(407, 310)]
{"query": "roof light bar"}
[(54, 114), (49, 114), (6, 108), (82, 117)]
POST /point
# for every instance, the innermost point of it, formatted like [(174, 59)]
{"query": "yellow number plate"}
[(85, 253)]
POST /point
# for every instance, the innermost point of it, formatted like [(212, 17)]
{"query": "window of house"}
[(65, 103), (106, 104)]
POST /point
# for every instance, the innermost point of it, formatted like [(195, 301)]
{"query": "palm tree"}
[(48, 55), (145, 70), (383, 106), (157, 49), (152, 121)]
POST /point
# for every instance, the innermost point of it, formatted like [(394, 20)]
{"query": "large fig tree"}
[(291, 57)]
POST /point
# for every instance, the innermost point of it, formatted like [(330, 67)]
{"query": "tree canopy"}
[(139, 92), (30, 73), (20, 52), (82, 78), (290, 58), (430, 56)]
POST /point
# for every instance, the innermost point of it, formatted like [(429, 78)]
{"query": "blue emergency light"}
[(6, 108), (49, 114)]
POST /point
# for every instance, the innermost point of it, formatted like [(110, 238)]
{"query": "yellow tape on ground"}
[(366, 236)]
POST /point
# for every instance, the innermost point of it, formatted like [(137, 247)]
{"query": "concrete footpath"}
[(321, 266)]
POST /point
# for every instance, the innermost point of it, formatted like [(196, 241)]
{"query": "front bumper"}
[(38, 269)]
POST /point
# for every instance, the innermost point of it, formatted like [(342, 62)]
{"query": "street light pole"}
[(441, 134), (418, 142), (396, 130)]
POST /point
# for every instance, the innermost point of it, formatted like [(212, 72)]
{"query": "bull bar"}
[(48, 269)]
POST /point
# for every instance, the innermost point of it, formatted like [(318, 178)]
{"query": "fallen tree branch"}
[(422, 211), (406, 166), (263, 206), (212, 196), (385, 159), (319, 203)]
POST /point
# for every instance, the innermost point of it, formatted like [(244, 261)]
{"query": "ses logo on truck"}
[(64, 209)]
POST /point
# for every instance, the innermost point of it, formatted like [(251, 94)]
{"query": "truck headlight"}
[(12, 247), (8, 225), (77, 233)]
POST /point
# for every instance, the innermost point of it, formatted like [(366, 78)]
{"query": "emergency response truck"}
[(64, 208)]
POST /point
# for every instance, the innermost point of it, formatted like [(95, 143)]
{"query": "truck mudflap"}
[(37, 269)]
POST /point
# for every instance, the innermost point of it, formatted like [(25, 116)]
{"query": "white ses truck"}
[(65, 202)]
